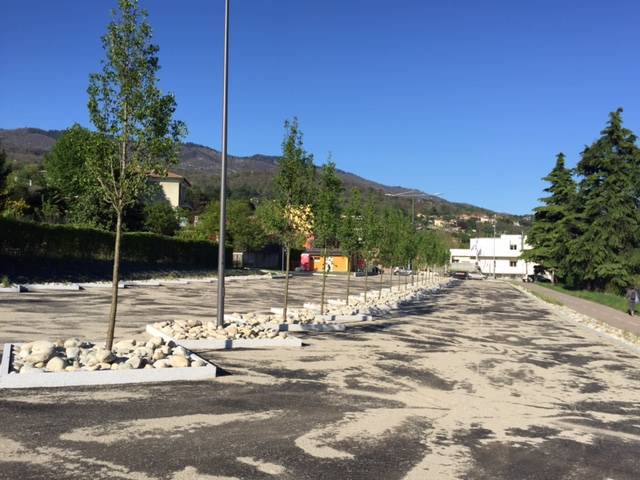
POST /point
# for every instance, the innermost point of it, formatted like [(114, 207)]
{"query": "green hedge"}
[(18, 238)]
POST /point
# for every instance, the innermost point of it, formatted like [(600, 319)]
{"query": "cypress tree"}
[(606, 253), (552, 223)]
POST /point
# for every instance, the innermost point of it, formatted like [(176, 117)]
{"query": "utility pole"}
[(223, 176)]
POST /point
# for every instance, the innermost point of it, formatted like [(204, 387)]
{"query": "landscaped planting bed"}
[(75, 362)]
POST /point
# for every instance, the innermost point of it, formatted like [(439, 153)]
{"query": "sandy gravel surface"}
[(479, 382)]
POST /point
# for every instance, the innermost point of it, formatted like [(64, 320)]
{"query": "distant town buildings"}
[(500, 255)]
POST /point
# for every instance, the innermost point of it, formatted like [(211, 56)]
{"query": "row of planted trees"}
[(135, 136), (308, 205), (587, 231)]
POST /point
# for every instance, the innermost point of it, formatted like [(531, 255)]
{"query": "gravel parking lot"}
[(479, 382)]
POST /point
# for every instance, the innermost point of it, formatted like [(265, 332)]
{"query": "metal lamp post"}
[(223, 176)]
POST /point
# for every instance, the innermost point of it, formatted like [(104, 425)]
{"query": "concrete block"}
[(311, 306), (215, 344), (10, 379)]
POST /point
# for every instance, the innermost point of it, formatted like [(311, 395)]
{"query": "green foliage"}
[(591, 237), (160, 218), (431, 249), (136, 133), (552, 229), (295, 180), (295, 189), (244, 228), (65, 164), (328, 206), (4, 172), (371, 227), (29, 239), (350, 227)]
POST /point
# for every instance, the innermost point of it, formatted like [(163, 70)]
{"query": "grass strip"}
[(611, 300)]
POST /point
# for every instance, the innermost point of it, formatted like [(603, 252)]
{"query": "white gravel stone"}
[(55, 364)]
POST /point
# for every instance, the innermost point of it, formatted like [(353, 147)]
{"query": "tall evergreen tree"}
[(607, 251), (551, 230)]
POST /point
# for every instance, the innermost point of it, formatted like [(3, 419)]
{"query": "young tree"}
[(551, 233), (350, 233), (607, 251), (370, 228), (290, 217), (133, 119), (327, 217)]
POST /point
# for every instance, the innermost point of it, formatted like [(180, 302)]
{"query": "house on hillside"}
[(174, 187), (500, 256)]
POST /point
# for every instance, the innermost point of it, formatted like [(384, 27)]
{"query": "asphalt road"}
[(478, 382)]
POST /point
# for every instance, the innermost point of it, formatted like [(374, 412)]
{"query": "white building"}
[(499, 255), (174, 187)]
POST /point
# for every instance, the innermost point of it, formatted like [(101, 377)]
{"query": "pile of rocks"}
[(75, 355), (247, 326)]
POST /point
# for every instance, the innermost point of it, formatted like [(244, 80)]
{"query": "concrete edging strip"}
[(99, 377), (43, 287), (218, 344), (311, 327)]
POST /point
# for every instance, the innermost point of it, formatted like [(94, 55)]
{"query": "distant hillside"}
[(202, 164)]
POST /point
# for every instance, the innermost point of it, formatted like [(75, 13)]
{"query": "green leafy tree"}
[(161, 218), (70, 186), (350, 233), (552, 228), (327, 217), (294, 184), (406, 247), (133, 119), (371, 229), (245, 229), (606, 252)]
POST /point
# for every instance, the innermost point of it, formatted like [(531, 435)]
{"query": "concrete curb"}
[(216, 344), (12, 289), (43, 287), (311, 327), (98, 377)]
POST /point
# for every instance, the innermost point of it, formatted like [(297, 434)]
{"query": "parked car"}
[(538, 278), (475, 276), (460, 275), (402, 271)]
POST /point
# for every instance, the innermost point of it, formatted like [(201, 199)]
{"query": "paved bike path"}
[(603, 313)]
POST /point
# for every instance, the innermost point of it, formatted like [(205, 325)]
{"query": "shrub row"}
[(18, 238)]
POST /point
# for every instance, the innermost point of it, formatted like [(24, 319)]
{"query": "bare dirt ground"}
[(478, 382)]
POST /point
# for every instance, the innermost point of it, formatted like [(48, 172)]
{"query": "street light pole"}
[(494, 249), (223, 176)]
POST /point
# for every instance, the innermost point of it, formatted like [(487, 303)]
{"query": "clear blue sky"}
[(469, 98)]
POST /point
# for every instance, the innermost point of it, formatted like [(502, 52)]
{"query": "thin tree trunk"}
[(114, 283), (286, 286), (324, 279), (366, 279), (381, 284), (348, 276)]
